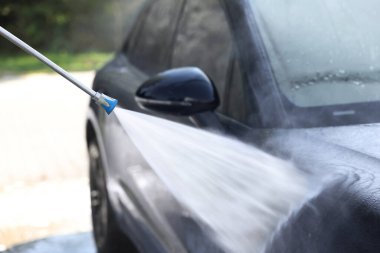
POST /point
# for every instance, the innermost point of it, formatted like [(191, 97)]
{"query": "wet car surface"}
[(275, 88)]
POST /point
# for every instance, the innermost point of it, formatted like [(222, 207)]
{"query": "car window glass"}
[(150, 50), (204, 41)]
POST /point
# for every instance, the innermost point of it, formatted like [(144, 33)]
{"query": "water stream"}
[(239, 191)]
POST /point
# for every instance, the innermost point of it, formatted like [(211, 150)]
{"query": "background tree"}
[(67, 25)]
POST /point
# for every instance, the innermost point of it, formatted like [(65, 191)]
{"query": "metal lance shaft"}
[(104, 101)]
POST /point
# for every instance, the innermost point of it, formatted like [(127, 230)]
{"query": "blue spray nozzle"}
[(106, 102), (112, 102)]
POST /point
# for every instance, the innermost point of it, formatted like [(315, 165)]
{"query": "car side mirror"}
[(181, 91)]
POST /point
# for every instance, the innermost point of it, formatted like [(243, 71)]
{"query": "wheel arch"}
[(93, 133)]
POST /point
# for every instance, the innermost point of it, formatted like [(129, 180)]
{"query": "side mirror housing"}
[(181, 91)]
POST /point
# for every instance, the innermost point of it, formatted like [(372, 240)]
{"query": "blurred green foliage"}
[(67, 25), (16, 64), (43, 23)]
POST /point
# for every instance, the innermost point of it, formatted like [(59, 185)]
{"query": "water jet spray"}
[(106, 102)]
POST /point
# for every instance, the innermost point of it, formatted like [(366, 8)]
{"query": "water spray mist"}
[(106, 102)]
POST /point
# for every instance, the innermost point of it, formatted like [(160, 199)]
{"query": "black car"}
[(298, 79)]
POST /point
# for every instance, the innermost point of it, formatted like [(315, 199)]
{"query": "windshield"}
[(323, 52)]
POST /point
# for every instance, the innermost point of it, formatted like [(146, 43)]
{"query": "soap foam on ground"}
[(237, 190)]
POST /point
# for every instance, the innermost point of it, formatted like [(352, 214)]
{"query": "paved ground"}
[(43, 159), (77, 243)]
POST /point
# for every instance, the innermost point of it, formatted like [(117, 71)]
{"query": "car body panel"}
[(148, 212)]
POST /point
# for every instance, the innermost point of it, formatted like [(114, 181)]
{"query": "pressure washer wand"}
[(104, 101)]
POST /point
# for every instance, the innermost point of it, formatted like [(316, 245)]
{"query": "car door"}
[(139, 208), (150, 211)]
